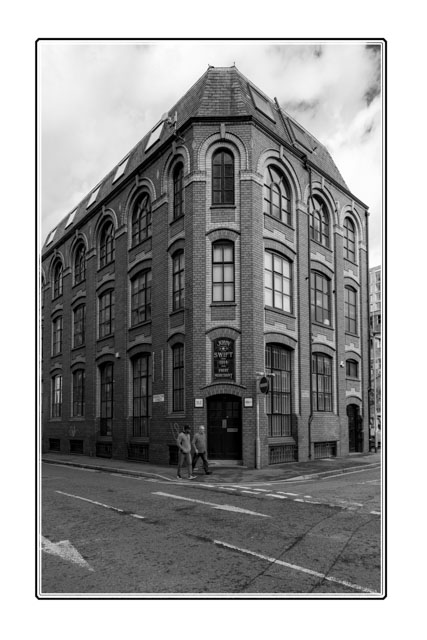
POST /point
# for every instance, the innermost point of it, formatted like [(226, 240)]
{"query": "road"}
[(105, 533)]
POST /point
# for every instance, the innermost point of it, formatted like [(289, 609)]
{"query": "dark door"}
[(353, 425), (225, 427)]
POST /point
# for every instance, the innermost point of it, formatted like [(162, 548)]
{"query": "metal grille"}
[(283, 453), (138, 451), (54, 444), (76, 446), (104, 449), (325, 450)]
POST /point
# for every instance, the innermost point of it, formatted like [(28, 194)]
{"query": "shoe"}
[(208, 473), (179, 477), (191, 477)]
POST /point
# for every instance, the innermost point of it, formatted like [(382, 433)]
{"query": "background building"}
[(375, 341), (226, 245)]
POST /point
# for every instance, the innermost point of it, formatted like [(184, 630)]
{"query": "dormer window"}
[(121, 169), (51, 236), (154, 136), (262, 104), (71, 218), (93, 196)]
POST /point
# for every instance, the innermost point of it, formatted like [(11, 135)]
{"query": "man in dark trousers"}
[(199, 444), (184, 451)]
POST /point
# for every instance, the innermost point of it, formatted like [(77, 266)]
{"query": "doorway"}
[(224, 427), (353, 415)]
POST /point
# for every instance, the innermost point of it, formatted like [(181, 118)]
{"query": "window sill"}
[(100, 339), (223, 304), (177, 219), (104, 266), (321, 324), (287, 314), (56, 355), (223, 206), (282, 222), (143, 323), (320, 244), (177, 312), (351, 379), (353, 335)]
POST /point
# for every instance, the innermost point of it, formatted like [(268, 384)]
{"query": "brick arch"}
[(144, 185), (278, 338), (103, 217), (230, 141), (182, 155), (320, 348), (324, 194), (349, 212), (58, 255), (272, 156)]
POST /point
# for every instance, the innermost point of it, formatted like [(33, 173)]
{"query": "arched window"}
[(178, 377), (349, 240), (319, 222), (276, 195), (178, 282), (80, 264), (142, 395), (141, 298), (141, 219), (350, 310), (57, 279), (321, 382), (277, 282), (106, 244), (223, 271), (320, 298), (223, 177), (278, 361), (178, 191)]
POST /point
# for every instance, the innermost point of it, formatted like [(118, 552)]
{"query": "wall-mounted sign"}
[(223, 359), (198, 402), (160, 397), (249, 402), (264, 385)]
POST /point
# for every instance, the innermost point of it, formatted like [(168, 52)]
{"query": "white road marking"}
[(222, 507), (64, 549), (295, 567), (65, 466), (100, 504), (253, 493), (288, 493), (375, 513), (274, 495), (123, 475), (345, 473)]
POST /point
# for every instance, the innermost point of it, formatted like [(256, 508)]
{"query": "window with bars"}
[(223, 271), (79, 321), (223, 177), (80, 264), (277, 282), (350, 310), (56, 405), (178, 377), (320, 298), (142, 396), (57, 326), (349, 240), (141, 219), (321, 382), (178, 282), (78, 392), (178, 191), (106, 398), (278, 361), (106, 245), (277, 201), (57, 279), (141, 298), (106, 313), (319, 222)]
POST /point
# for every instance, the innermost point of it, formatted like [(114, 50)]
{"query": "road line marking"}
[(274, 495), (65, 466), (253, 493), (123, 475), (288, 493), (228, 488), (64, 549), (376, 513), (295, 567), (100, 504), (221, 507), (345, 473)]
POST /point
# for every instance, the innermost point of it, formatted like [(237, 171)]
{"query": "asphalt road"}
[(104, 533)]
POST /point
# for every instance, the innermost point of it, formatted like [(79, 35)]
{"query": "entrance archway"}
[(224, 424)]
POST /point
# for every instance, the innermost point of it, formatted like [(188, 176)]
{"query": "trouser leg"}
[(180, 458), (195, 458), (189, 465), (205, 461)]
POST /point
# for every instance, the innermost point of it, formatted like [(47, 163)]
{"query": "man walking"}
[(199, 444), (184, 452)]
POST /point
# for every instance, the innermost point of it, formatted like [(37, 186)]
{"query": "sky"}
[(97, 99)]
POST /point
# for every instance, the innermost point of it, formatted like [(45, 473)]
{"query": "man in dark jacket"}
[(199, 444)]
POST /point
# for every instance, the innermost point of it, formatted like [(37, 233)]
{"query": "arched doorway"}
[(224, 427), (354, 424)]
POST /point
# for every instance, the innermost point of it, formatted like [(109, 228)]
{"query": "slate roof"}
[(221, 92)]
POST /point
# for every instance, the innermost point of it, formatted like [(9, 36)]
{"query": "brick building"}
[(226, 245)]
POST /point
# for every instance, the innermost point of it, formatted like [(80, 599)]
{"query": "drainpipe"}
[(310, 332)]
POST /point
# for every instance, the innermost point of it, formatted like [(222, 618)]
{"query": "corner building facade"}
[(224, 247)]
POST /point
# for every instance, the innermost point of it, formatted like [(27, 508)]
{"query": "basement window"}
[(70, 218), (121, 169), (155, 135), (261, 103), (93, 196)]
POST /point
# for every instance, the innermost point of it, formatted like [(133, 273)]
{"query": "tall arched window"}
[(80, 264), (142, 395), (349, 240), (106, 244), (57, 279), (178, 191), (223, 177), (319, 222), (141, 219), (276, 195), (278, 361)]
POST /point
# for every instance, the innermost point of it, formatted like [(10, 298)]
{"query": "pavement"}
[(222, 473)]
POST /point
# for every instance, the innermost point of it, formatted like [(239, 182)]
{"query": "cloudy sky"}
[(98, 99)]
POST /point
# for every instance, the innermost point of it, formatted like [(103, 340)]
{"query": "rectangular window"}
[(141, 298), (79, 317), (223, 272), (178, 291), (56, 409), (350, 310), (142, 395), (278, 361), (320, 299), (322, 382), (57, 336), (277, 282), (79, 393), (178, 377), (351, 369), (106, 314), (106, 422)]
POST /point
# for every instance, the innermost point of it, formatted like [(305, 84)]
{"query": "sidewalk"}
[(222, 474)]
